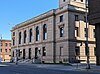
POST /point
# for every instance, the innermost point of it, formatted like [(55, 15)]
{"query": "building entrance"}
[(23, 53)]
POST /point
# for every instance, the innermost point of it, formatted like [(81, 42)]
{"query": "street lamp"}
[(86, 43)]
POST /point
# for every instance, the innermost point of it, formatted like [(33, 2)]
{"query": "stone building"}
[(58, 35), (5, 50), (94, 19)]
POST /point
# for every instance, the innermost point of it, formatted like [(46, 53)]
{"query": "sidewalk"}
[(93, 68), (74, 67)]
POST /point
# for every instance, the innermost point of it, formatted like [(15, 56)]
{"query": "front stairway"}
[(26, 61)]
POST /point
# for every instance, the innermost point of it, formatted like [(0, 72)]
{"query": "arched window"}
[(30, 35), (25, 36), (44, 32), (37, 33), (19, 37)]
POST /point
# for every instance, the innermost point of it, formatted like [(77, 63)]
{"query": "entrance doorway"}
[(36, 53), (23, 53), (29, 53)]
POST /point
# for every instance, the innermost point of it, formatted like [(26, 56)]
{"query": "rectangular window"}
[(0, 50), (61, 18), (76, 18), (76, 32), (25, 36), (61, 32), (19, 37), (9, 50), (77, 51), (10, 44), (1, 44), (6, 44), (43, 51), (13, 33), (5, 50), (61, 53), (30, 35)]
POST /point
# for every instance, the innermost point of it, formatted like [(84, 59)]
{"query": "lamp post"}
[(86, 43)]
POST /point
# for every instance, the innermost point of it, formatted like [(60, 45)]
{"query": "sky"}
[(13, 12)]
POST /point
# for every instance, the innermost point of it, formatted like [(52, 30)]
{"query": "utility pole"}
[(86, 43)]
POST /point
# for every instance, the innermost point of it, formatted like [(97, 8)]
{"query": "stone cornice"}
[(35, 19)]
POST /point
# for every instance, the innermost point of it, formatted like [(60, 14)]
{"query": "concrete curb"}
[(89, 70)]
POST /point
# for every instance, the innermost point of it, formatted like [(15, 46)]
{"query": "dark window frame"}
[(25, 35), (44, 32), (37, 33), (43, 51), (61, 18), (61, 31), (30, 35)]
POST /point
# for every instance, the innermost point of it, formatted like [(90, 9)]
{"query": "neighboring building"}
[(58, 35), (5, 50), (94, 19)]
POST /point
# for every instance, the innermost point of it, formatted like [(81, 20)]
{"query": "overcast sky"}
[(13, 12)]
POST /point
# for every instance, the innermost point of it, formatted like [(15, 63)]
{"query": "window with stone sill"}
[(76, 17), (76, 31), (9, 50), (13, 33), (44, 32), (25, 36), (30, 35), (61, 31), (77, 51), (10, 44), (61, 18), (44, 51), (1, 44), (61, 51), (6, 44), (0, 50), (37, 33), (5, 50), (19, 37)]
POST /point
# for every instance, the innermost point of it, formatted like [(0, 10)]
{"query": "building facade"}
[(94, 19), (57, 36), (5, 50)]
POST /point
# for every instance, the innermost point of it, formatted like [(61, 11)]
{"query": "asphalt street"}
[(30, 69)]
